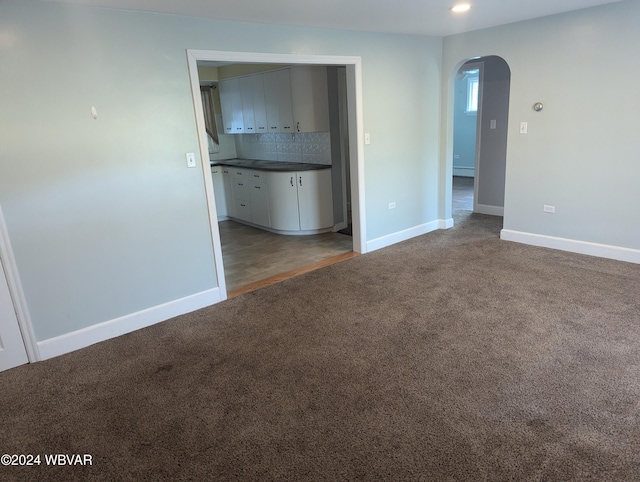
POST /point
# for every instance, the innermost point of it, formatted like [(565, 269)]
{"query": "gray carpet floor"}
[(451, 356)]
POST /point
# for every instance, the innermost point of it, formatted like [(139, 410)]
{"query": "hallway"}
[(462, 193)]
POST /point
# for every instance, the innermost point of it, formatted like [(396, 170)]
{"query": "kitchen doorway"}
[(352, 168)]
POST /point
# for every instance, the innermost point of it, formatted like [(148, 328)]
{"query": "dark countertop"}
[(270, 165)]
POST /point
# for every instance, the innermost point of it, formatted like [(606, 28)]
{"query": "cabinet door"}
[(259, 203), (218, 191), (283, 201), (315, 201), (246, 97), (277, 95), (231, 104), (241, 190), (310, 98), (228, 192), (259, 106), (225, 104), (243, 209), (236, 106)]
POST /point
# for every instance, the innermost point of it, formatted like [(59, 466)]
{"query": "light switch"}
[(191, 159), (523, 127), (367, 138), (493, 123)]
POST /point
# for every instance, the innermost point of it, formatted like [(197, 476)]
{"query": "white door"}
[(12, 350)]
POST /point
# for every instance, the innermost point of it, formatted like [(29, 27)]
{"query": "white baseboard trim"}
[(464, 171), (389, 239), (90, 335), (445, 223), (490, 210), (574, 246)]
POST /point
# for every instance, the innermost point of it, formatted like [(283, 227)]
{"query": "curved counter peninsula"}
[(283, 197)]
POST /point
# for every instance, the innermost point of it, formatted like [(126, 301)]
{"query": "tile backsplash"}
[(306, 147)]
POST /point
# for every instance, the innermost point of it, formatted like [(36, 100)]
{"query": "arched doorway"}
[(480, 126)]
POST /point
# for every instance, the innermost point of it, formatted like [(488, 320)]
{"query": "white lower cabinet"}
[(250, 199), (227, 181), (283, 200), (259, 203), (218, 191), (315, 201), (287, 202), (300, 201)]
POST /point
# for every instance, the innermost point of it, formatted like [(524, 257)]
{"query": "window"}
[(473, 84)]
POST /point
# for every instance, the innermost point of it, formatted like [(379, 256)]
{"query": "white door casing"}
[(17, 340), (12, 350)]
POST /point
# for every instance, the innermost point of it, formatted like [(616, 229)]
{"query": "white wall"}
[(581, 153), (104, 216)]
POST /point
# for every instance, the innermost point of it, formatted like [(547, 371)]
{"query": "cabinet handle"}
[(298, 126), (257, 187), (292, 180), (300, 179), (256, 175)]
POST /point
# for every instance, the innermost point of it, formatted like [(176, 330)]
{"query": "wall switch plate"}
[(392, 205), (549, 209), (493, 123), (523, 127), (367, 138), (191, 159)]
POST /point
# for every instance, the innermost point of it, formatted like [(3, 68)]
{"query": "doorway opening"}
[(480, 128), (248, 257)]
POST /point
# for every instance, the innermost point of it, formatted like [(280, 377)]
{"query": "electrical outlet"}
[(392, 205), (549, 209)]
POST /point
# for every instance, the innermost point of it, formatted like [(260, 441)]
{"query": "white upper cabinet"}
[(309, 97), (231, 103), (277, 95), (287, 100), (246, 99), (258, 101)]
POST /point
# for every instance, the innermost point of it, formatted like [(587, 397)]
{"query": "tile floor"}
[(251, 254)]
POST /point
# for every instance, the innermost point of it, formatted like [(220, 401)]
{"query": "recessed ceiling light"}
[(463, 7)]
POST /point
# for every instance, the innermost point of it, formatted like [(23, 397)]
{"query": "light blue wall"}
[(464, 133), (581, 153), (104, 217)]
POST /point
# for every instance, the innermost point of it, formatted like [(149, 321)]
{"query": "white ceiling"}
[(421, 17)]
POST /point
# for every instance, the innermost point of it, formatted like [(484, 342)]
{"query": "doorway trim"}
[(355, 121), (17, 294), (448, 122)]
